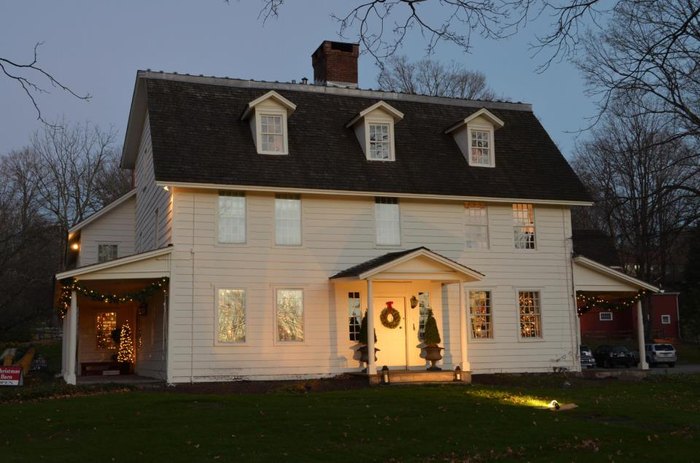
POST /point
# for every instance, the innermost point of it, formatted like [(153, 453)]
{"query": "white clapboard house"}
[(266, 217)]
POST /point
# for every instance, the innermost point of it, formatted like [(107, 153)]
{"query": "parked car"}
[(660, 353), (612, 356), (587, 359)]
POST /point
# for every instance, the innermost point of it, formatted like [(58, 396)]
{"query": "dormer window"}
[(474, 136), (374, 128), (268, 122)]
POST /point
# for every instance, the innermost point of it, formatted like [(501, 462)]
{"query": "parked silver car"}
[(660, 353), (587, 359)]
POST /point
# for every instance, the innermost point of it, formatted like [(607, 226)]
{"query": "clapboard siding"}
[(338, 232), (116, 227), (152, 201)]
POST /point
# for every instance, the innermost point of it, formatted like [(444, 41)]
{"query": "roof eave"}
[(134, 127)]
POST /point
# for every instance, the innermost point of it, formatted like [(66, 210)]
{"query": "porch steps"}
[(420, 377)]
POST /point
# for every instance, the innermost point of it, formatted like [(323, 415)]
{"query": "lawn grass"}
[(657, 419)]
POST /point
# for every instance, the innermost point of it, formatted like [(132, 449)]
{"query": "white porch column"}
[(463, 328), (371, 367), (69, 374), (640, 337)]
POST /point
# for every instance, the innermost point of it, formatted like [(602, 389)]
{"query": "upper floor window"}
[(288, 220), (268, 122), (388, 221), (475, 137), (379, 142), (107, 252), (524, 226), (476, 226), (232, 223), (480, 147), (374, 128)]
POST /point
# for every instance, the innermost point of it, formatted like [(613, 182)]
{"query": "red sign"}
[(10, 376)]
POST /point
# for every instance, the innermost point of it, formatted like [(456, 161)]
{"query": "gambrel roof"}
[(199, 138)]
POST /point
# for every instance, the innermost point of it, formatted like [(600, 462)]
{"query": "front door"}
[(396, 344)]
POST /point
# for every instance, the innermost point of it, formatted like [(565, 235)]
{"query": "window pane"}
[(423, 309), (480, 314), (379, 142), (290, 315), (354, 315), (106, 322), (387, 220), (476, 226), (271, 133), (530, 317), (231, 217), (107, 252), (288, 220), (524, 226), (231, 317)]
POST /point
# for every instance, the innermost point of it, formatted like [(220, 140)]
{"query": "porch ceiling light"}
[(75, 246)]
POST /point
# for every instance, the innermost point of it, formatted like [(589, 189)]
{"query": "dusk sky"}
[(96, 47)]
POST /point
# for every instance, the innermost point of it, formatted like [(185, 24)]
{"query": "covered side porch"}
[(597, 285), (397, 291), (115, 318)]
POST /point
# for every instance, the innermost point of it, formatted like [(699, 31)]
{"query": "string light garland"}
[(71, 284), (587, 303)]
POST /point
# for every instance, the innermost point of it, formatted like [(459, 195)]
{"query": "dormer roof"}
[(484, 113), (382, 105), (271, 95)]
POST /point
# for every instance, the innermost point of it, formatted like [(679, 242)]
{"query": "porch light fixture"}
[(458, 373), (75, 246), (385, 375), (414, 302)]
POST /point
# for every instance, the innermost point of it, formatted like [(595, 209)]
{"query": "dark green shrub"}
[(432, 334)]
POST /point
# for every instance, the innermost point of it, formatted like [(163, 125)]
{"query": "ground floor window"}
[(231, 322), (106, 324), (665, 319), (290, 315), (480, 314), (530, 315), (605, 316), (423, 309), (354, 315)]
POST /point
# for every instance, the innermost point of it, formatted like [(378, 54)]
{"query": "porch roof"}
[(416, 263), (593, 276), (151, 264)]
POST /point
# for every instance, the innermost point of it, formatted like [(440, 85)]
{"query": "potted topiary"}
[(431, 339), (363, 340)]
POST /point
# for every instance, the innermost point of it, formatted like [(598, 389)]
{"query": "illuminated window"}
[(231, 320), (530, 315), (354, 315), (476, 226), (524, 226), (290, 315), (605, 316), (480, 314), (106, 323)]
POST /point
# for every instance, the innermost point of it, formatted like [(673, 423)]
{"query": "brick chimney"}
[(335, 63)]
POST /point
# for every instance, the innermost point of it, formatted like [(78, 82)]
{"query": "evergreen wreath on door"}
[(390, 317)]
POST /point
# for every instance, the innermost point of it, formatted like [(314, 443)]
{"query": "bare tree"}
[(429, 77), (628, 165), (33, 79)]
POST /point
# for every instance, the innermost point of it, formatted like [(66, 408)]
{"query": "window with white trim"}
[(423, 312), (230, 316), (605, 316), (106, 322), (107, 252), (379, 141), (480, 314), (387, 221), (232, 214), (481, 147), (288, 220), (665, 319), (354, 315), (476, 228), (524, 226), (289, 315), (530, 316), (272, 133)]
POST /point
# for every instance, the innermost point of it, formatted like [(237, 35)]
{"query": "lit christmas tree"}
[(126, 345)]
